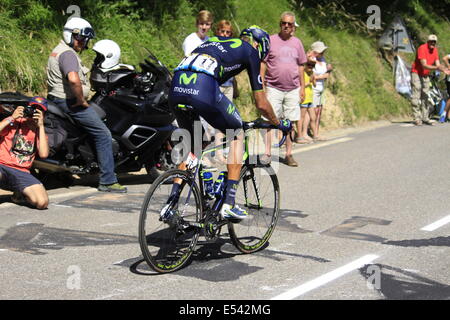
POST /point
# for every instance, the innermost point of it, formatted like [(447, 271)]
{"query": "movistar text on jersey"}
[(186, 90), (216, 44)]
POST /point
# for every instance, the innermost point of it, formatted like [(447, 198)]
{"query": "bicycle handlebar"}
[(258, 124)]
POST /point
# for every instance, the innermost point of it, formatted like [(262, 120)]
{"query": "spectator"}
[(203, 23), (307, 112), (446, 60), (68, 87), (427, 59), (21, 137), (282, 73), (321, 73), (447, 65), (224, 29)]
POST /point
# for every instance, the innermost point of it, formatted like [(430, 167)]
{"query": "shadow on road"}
[(213, 261), (398, 284), (438, 241)]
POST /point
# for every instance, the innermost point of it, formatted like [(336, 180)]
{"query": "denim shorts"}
[(16, 180)]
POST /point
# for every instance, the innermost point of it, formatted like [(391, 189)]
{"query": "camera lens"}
[(29, 111)]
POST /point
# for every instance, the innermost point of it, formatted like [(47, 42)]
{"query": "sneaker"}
[(418, 122), (443, 117), (289, 160), (115, 188), (428, 122), (229, 212)]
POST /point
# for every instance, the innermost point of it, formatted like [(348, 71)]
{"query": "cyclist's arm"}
[(263, 105), (263, 73)]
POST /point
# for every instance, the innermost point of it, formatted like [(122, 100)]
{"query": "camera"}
[(28, 111)]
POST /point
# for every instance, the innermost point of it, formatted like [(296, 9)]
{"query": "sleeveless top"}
[(319, 69), (58, 84)]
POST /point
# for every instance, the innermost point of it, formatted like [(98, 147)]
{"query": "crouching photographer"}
[(22, 136)]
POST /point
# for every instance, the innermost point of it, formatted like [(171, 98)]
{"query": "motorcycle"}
[(133, 105)]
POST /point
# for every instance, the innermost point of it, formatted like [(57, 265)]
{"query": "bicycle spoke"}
[(252, 233)]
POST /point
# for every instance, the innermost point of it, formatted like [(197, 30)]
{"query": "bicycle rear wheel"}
[(259, 193), (167, 244)]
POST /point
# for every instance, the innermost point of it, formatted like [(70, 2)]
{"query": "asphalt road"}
[(364, 216)]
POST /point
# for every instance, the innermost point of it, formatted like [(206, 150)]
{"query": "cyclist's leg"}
[(225, 117), (185, 95)]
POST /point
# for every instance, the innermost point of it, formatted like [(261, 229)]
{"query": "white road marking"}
[(437, 224), (321, 144), (324, 279)]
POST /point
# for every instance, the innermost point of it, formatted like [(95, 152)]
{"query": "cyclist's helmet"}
[(108, 54), (78, 28), (257, 34)]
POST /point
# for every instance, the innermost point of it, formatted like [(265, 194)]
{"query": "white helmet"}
[(78, 27), (108, 53)]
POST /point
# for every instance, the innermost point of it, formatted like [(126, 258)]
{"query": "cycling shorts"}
[(202, 94)]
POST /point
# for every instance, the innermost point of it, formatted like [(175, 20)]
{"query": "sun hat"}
[(318, 47)]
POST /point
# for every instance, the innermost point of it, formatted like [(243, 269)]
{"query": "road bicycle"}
[(170, 228)]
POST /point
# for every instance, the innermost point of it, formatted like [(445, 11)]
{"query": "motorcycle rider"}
[(196, 83), (68, 87)]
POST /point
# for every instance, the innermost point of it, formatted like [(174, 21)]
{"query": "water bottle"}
[(208, 183), (219, 185)]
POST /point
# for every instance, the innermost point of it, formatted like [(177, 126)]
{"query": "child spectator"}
[(306, 107)]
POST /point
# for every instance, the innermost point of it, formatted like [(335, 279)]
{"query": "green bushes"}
[(361, 82)]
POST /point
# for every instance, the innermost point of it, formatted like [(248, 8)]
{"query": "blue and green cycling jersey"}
[(223, 58)]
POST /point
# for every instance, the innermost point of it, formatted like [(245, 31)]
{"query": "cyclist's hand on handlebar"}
[(285, 126)]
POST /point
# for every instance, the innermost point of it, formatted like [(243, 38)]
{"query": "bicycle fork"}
[(258, 198)]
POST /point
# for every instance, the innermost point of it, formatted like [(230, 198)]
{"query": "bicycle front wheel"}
[(259, 193), (167, 243)]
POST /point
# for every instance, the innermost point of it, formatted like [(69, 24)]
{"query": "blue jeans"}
[(98, 131)]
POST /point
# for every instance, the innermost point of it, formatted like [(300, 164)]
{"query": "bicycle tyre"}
[(262, 202), (164, 247)]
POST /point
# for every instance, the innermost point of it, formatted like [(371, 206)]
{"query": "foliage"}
[(361, 81)]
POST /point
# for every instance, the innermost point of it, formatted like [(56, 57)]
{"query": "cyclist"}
[(196, 84)]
